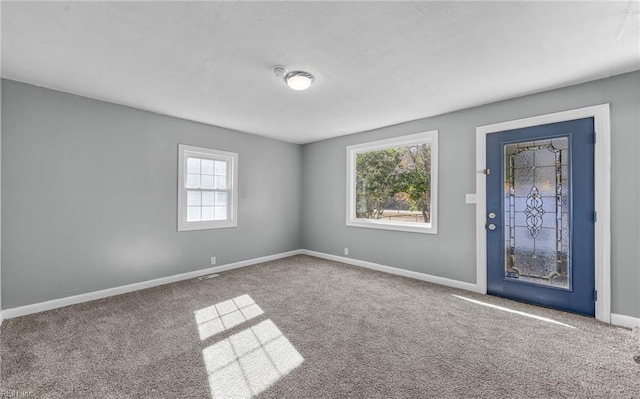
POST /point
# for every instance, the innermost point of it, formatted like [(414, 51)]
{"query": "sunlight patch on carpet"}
[(222, 316), (513, 311), (249, 362)]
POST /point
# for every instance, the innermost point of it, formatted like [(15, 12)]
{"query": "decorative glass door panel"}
[(536, 212), (540, 215)]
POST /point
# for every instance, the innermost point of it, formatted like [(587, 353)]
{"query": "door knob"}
[(492, 215), (491, 226)]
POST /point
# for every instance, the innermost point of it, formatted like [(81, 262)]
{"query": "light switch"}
[(470, 198)]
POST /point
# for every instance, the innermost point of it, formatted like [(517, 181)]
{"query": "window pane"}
[(193, 165), (221, 213), (193, 214), (220, 182), (207, 167), (207, 198), (207, 213), (394, 184), (221, 199), (206, 181), (221, 168), (193, 180), (193, 197)]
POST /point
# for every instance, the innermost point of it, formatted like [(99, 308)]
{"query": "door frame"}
[(602, 187)]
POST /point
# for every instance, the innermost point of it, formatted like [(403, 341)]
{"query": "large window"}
[(207, 184), (392, 184)]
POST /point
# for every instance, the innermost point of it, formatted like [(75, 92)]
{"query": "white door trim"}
[(601, 115)]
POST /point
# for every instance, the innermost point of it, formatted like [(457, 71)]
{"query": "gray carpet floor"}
[(303, 327)]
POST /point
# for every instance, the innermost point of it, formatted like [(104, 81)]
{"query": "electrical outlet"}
[(470, 198), (213, 260), (346, 251)]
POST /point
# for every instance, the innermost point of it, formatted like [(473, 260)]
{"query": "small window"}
[(392, 184), (207, 185)]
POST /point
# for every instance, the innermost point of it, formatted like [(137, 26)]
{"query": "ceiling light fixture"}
[(297, 80)]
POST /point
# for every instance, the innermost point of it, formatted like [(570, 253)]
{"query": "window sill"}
[(192, 226), (407, 227)]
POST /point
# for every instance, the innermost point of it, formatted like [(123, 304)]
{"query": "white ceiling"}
[(375, 63)]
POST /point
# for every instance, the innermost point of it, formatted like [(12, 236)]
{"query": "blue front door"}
[(541, 215)]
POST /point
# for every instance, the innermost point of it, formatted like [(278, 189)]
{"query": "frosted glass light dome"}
[(299, 80)]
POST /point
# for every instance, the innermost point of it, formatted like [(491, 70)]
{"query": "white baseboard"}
[(394, 270), (616, 319), (624, 321), (90, 296)]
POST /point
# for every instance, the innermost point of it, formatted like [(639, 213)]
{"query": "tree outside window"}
[(392, 183)]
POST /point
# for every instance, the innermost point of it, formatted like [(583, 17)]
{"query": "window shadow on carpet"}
[(250, 361)]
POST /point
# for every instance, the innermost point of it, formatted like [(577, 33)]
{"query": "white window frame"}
[(185, 151), (430, 137)]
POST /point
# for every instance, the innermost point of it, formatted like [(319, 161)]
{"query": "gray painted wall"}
[(451, 253), (89, 196), (89, 193), (1, 316)]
